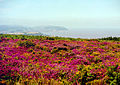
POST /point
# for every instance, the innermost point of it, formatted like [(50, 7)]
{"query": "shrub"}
[(26, 44)]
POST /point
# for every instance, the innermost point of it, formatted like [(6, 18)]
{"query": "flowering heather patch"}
[(59, 62)]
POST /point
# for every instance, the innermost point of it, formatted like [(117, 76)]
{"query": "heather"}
[(42, 60)]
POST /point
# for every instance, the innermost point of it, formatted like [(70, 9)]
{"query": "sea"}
[(86, 33)]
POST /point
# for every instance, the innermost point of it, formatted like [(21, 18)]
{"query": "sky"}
[(96, 14)]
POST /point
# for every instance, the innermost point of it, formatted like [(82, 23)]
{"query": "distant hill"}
[(14, 29), (50, 28)]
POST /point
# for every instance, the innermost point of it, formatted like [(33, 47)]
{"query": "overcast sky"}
[(69, 13)]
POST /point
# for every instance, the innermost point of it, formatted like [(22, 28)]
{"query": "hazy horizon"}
[(92, 16)]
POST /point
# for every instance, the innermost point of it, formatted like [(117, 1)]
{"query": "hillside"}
[(14, 29), (42, 60)]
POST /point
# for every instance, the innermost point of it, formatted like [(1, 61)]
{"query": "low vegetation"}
[(43, 60)]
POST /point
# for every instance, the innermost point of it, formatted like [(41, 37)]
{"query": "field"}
[(28, 60)]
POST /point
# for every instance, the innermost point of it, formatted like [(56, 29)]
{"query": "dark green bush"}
[(111, 38), (26, 44)]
